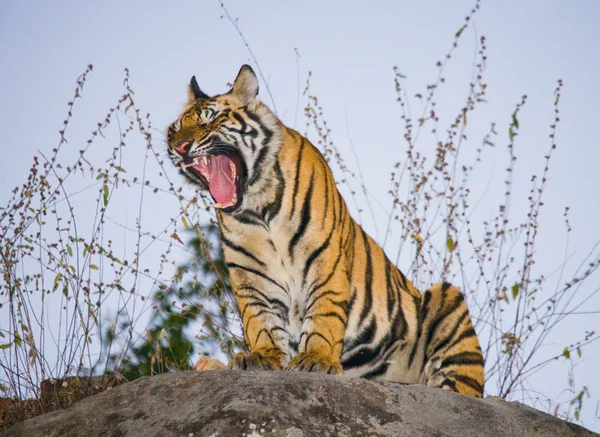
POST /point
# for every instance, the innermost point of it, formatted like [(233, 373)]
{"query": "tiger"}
[(314, 291)]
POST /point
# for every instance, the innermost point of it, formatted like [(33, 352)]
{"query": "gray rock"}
[(228, 403)]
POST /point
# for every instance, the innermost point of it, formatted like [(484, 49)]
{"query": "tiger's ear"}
[(245, 86), (194, 91)]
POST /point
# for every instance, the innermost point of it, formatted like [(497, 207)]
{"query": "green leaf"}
[(56, 279), (70, 250), (450, 244), (120, 169), (578, 351), (566, 353), (459, 32), (66, 290), (18, 340), (515, 291), (100, 176), (93, 267), (515, 122), (185, 222), (5, 345), (511, 133), (105, 194)]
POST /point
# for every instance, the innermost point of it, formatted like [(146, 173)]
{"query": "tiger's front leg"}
[(324, 325), (264, 330)]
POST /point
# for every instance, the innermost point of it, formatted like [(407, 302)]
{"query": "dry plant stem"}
[(241, 35)]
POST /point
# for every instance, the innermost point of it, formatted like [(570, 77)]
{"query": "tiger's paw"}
[(314, 362), (208, 363), (256, 361)]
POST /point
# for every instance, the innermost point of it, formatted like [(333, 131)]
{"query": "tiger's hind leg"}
[(452, 358)]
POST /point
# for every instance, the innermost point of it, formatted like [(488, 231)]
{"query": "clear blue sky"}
[(351, 48)]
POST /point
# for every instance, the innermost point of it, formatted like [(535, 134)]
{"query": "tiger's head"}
[(227, 144)]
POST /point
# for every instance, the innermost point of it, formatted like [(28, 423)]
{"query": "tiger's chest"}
[(289, 274), (280, 274)]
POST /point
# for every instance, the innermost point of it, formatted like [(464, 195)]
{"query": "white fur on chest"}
[(284, 271), (271, 247)]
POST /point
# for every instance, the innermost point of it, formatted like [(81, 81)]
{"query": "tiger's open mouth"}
[(223, 175)]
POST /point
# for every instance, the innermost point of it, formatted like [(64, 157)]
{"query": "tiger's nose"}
[(182, 148)]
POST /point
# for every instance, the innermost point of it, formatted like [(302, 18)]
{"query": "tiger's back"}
[(315, 292)]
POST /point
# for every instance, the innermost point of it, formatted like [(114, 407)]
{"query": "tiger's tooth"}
[(217, 205), (205, 160), (232, 168)]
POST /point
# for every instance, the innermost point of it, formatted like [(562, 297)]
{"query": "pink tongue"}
[(221, 185)]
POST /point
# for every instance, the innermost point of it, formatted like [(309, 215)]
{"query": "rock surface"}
[(226, 403)]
